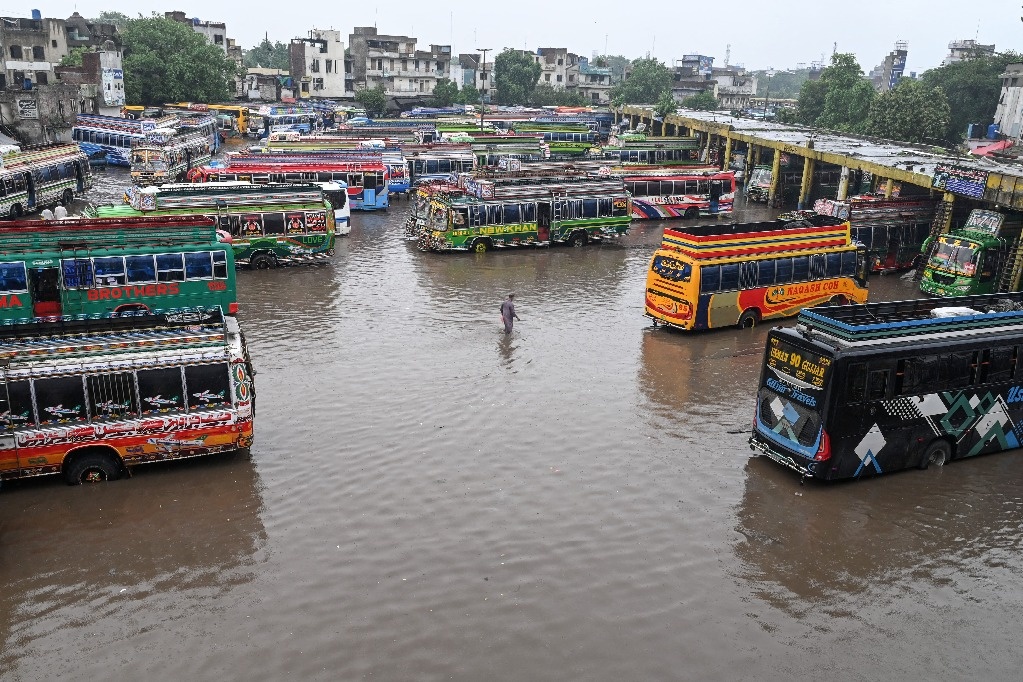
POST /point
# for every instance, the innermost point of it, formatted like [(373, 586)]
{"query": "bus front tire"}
[(15, 211), (578, 239), (838, 300), (937, 454), (748, 319), (481, 245), (67, 198), (93, 466), (691, 213), (262, 261)]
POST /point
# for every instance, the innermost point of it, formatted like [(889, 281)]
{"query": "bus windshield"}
[(959, 257), (791, 397)]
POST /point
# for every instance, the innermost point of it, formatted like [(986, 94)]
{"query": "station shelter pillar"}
[(843, 184), (807, 182), (775, 178), (888, 184), (727, 161)]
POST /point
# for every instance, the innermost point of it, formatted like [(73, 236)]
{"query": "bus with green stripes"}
[(38, 177), (270, 225), (87, 268)]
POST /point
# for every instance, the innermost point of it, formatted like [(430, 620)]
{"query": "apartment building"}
[(394, 62), (318, 64), (590, 81), (1009, 112)]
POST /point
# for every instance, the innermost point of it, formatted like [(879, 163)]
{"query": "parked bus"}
[(38, 177), (678, 194), (655, 152), (740, 274), (366, 181), (98, 267), (439, 165), (563, 139), (240, 114), (270, 225), (865, 390), (112, 138), (486, 217), (90, 398), (980, 257), (153, 164)]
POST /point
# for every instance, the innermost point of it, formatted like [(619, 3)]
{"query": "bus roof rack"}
[(894, 320), (115, 323)]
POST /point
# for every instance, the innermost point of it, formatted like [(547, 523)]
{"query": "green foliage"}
[(840, 99), (666, 104), (648, 79), (784, 84), (704, 101), (373, 99), (469, 94), (515, 76), (268, 56), (546, 96), (165, 61), (73, 58), (912, 112), (972, 87), (118, 19), (445, 93)]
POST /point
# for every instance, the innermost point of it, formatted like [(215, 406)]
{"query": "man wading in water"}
[(508, 313)]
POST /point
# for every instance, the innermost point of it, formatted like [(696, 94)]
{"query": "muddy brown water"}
[(428, 499)]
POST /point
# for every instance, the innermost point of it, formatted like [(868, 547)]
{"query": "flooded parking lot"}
[(430, 499)]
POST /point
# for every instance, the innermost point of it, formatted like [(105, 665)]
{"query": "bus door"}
[(30, 179), (543, 221), (44, 286)]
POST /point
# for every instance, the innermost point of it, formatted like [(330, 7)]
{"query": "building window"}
[(42, 78), (416, 65), (404, 64), (571, 79), (218, 39), (380, 65), (547, 77), (305, 87), (330, 66), (559, 78), (317, 84), (561, 62), (15, 51), (315, 66)]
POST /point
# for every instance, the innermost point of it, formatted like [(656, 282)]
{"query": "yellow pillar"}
[(807, 184), (706, 151), (775, 178), (728, 153), (888, 188), (949, 201), (843, 184)]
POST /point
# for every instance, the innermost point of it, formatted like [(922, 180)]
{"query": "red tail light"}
[(232, 309), (824, 449)]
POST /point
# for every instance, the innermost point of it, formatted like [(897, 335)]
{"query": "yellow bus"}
[(722, 275)]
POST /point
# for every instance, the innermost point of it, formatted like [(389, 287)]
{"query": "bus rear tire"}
[(691, 213), (92, 466), (481, 245), (15, 211), (578, 239), (748, 319), (937, 454), (67, 198), (262, 261), (839, 300)]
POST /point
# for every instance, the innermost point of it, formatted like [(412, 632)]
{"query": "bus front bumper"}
[(759, 446)]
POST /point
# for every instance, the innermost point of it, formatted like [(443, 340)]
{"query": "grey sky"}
[(776, 33)]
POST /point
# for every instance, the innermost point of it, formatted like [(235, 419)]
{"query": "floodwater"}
[(428, 499)]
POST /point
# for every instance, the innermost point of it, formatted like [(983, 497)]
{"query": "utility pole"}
[(483, 90)]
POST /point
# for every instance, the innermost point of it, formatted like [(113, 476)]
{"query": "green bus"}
[(87, 268), (270, 225)]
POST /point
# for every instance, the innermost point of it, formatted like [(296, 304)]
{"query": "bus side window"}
[(765, 277), (511, 214), (529, 213), (997, 364), (849, 263), (818, 266), (16, 406), (13, 277), (800, 268), (589, 208), (170, 267), (784, 267), (495, 214), (856, 382), (729, 277), (60, 400), (220, 264), (112, 396), (877, 384), (834, 264), (958, 370), (273, 223), (710, 278), (160, 390), (604, 208), (208, 386)]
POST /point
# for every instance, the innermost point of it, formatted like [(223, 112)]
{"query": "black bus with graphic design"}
[(862, 390)]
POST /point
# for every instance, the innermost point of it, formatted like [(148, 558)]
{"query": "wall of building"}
[(41, 115), (1009, 112)]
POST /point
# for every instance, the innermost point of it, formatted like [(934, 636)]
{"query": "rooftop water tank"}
[(992, 131), (37, 15)]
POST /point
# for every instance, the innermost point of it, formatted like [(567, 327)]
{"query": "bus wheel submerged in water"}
[(262, 261), (750, 318), (481, 245), (937, 454), (92, 465)]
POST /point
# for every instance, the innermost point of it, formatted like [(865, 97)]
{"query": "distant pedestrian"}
[(508, 313), (715, 196)]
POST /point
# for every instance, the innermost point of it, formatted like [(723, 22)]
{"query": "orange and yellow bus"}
[(740, 274)]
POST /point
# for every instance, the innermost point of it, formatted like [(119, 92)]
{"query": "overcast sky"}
[(771, 33)]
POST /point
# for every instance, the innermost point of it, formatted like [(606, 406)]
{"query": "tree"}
[(783, 84), (911, 112), (840, 99), (165, 61), (268, 56), (648, 79), (445, 93), (118, 19), (704, 101), (469, 94), (972, 87), (74, 57), (373, 99), (666, 104), (616, 62), (515, 76), (545, 96)]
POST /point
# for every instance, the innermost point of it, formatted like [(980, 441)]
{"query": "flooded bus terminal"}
[(428, 498)]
